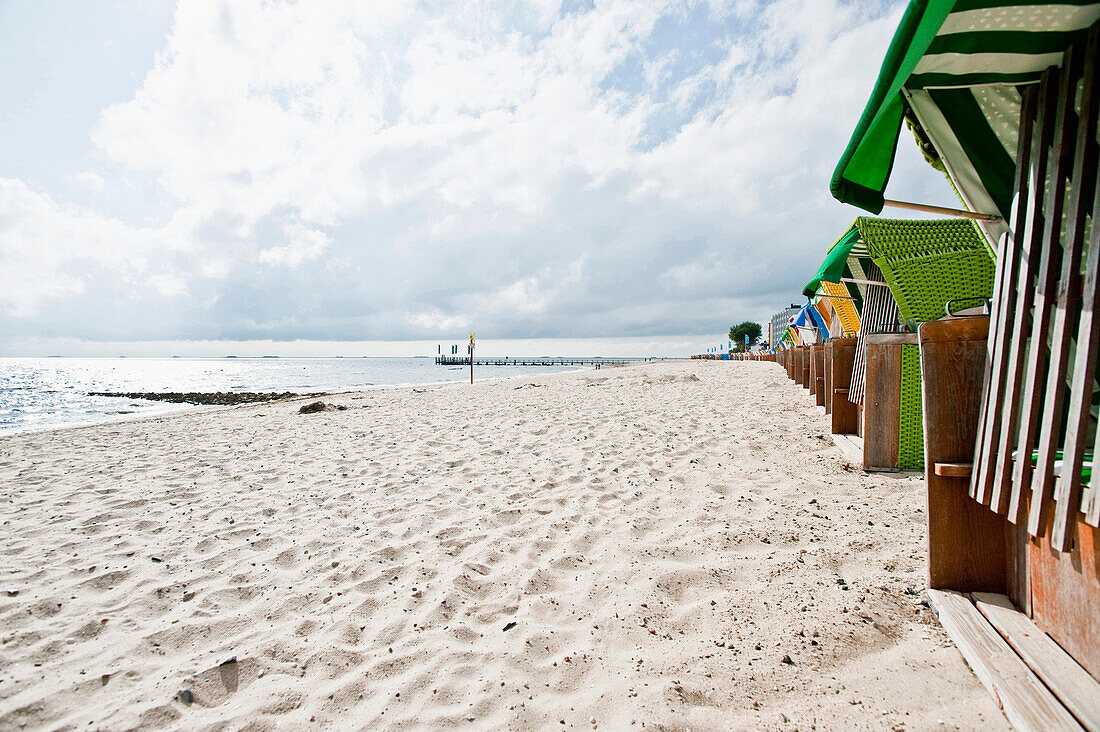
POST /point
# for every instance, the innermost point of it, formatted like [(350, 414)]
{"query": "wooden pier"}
[(538, 361)]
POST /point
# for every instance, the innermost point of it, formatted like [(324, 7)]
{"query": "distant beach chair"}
[(907, 272)]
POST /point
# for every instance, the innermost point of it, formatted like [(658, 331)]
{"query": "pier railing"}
[(537, 361)]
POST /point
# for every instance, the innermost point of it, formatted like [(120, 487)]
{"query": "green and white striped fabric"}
[(957, 64)]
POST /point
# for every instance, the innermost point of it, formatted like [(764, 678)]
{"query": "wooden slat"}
[(953, 470), (827, 393), (1046, 290), (1004, 303), (1027, 703), (1091, 504), (1067, 303), (881, 405), (1074, 687), (845, 415), (1018, 566), (851, 446), (1027, 369), (818, 382), (892, 339), (1004, 414)]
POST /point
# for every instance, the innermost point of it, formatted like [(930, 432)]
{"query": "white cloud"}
[(86, 179), (168, 286), (303, 244), (51, 251), (396, 169), (436, 321)]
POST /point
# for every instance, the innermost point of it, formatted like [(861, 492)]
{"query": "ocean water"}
[(45, 393)]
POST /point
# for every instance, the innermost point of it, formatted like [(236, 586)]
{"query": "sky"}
[(211, 176)]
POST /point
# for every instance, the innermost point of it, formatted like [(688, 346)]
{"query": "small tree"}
[(739, 331)]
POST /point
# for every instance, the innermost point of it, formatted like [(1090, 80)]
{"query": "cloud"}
[(50, 251), (386, 170), (304, 244), (86, 179)]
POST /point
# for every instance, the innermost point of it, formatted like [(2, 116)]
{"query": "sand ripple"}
[(670, 545)]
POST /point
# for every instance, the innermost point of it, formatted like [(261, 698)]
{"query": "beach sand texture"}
[(662, 546)]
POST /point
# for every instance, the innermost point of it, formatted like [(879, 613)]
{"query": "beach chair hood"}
[(952, 71)]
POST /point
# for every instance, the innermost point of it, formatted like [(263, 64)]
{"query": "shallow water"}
[(43, 393)]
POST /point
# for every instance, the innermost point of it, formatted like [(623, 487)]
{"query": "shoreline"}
[(170, 409), (667, 544)]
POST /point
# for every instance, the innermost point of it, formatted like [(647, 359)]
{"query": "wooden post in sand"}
[(471, 358)]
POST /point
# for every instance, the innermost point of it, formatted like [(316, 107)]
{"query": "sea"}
[(48, 393)]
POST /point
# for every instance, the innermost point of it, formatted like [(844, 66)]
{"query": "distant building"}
[(779, 323)]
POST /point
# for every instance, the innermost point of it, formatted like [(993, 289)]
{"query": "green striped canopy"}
[(954, 66)]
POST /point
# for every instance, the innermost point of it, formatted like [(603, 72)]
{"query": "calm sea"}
[(44, 393)]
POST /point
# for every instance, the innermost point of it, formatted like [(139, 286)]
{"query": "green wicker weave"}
[(926, 264), (911, 429)]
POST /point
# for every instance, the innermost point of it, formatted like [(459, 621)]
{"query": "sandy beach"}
[(665, 546)]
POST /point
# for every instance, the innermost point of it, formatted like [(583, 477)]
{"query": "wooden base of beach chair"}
[(966, 541), (817, 374), (1053, 619), (1039, 686), (845, 415), (851, 446), (882, 399)]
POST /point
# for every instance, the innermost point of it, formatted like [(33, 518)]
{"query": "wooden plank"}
[(1027, 369), (1018, 564), (806, 358), (1064, 325), (954, 470), (851, 446), (1065, 593), (993, 387), (881, 404), (966, 541), (1011, 308), (827, 369), (1074, 687), (813, 371), (1026, 702), (892, 339), (818, 382), (1038, 352), (845, 414), (1004, 303)]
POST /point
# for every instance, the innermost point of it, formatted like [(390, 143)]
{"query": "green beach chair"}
[(928, 266)]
